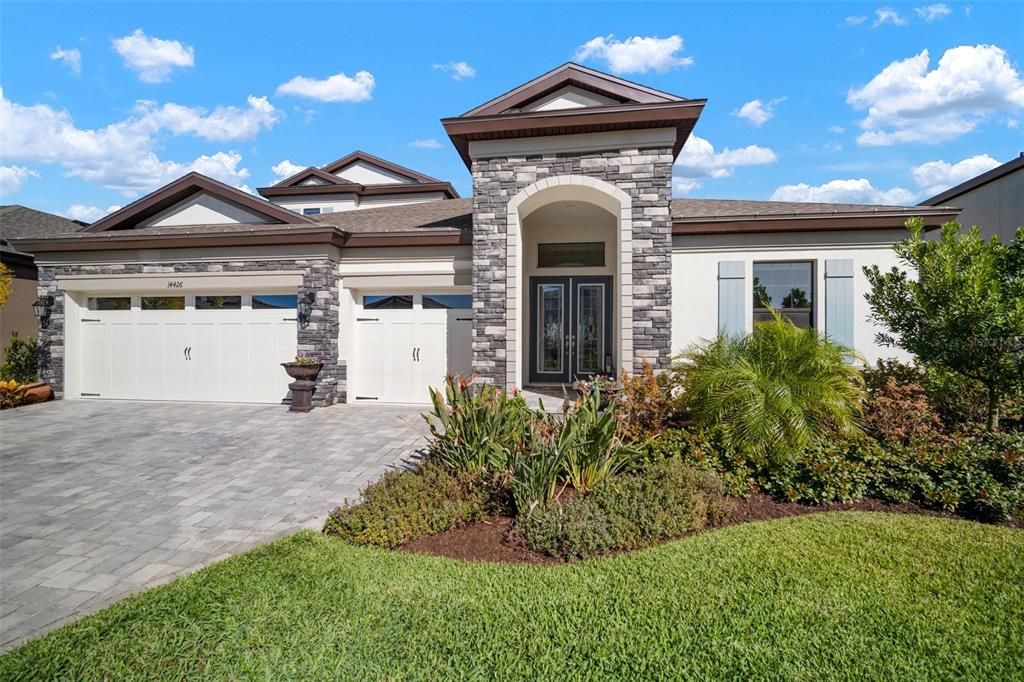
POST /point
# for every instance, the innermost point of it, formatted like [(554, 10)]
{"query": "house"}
[(571, 258), (19, 222), (994, 200)]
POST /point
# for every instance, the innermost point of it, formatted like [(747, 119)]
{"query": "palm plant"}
[(775, 391)]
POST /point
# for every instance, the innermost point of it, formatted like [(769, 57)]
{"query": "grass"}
[(832, 595)]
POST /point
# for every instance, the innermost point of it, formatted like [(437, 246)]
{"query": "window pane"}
[(550, 328), (311, 211), (388, 302), (163, 302), (451, 301), (571, 255), (590, 329), (110, 303), (788, 288), (218, 302), (274, 301)]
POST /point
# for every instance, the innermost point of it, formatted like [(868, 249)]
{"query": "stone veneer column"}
[(644, 174), (318, 339)]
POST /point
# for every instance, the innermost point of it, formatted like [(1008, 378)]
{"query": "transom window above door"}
[(571, 255), (788, 288)]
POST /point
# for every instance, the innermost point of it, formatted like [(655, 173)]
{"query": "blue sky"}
[(810, 101)]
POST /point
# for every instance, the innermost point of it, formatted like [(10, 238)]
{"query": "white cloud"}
[(934, 11), (154, 59), (852, 191), (336, 88), (758, 112), (887, 15), (905, 102), (637, 54), (119, 156), (88, 214), (938, 176), (13, 177), (71, 58), (836, 130), (224, 123), (856, 20), (425, 144), (458, 70), (286, 169), (698, 159)]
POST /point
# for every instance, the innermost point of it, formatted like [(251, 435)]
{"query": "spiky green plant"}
[(773, 392), (598, 453)]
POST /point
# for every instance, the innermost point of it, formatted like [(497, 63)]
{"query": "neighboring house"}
[(571, 258), (18, 222), (994, 200)]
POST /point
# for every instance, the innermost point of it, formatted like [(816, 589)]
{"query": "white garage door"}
[(211, 348), (406, 343)]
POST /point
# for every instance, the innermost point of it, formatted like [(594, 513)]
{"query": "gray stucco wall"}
[(645, 174), (997, 207), (318, 339)]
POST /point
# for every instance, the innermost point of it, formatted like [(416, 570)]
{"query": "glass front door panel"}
[(590, 328), (550, 327)]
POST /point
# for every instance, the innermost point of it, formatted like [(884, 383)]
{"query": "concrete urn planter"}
[(305, 375)]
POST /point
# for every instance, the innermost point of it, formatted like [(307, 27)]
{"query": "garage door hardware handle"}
[(463, 319), (367, 319), (188, 353), (89, 395), (290, 319), (366, 397), (91, 319)]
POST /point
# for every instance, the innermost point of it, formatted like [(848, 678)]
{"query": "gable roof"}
[(181, 189), (976, 182), (634, 107), (358, 155), (20, 222), (571, 73), (334, 184)]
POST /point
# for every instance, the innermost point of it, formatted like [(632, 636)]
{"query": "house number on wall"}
[(175, 284)]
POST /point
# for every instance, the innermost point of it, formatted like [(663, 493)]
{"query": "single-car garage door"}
[(408, 342), (197, 347)]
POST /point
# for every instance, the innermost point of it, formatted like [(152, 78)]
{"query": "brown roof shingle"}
[(19, 222)]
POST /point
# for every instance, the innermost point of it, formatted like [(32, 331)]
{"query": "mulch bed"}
[(490, 540)]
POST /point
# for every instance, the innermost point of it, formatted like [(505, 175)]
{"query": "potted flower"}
[(304, 370), (606, 386)]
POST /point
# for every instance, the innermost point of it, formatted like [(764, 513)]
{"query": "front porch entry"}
[(571, 328)]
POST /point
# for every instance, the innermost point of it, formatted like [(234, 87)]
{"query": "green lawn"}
[(835, 595)]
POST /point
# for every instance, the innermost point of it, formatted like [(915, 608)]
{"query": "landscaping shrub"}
[(476, 427), (647, 404), (536, 471), (838, 470), (404, 505), (773, 392), (21, 360), (12, 394), (664, 501), (594, 451), (979, 476), (900, 413)]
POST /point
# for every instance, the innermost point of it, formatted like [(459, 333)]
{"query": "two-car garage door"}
[(217, 348)]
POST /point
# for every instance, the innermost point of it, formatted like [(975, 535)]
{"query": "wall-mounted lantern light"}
[(41, 308), (305, 310)]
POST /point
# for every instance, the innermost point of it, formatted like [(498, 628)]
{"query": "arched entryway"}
[(569, 289)]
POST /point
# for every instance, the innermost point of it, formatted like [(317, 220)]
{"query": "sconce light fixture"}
[(305, 310), (41, 308)]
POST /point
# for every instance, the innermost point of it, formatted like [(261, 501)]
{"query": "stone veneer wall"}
[(644, 174), (318, 339)]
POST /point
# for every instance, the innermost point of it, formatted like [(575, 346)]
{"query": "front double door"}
[(570, 330)]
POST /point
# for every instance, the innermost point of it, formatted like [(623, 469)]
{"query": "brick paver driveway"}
[(101, 499)]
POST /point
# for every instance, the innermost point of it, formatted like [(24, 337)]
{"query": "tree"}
[(964, 311), (6, 279)]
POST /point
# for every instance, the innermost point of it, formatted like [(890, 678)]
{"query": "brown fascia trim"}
[(976, 182), (388, 239), (122, 240), (360, 190), (182, 189), (810, 222), (292, 180), (681, 115), (359, 155), (571, 74)]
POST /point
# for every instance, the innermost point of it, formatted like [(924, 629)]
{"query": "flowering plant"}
[(305, 360)]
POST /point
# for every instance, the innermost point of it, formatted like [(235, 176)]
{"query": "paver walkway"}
[(102, 499)]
